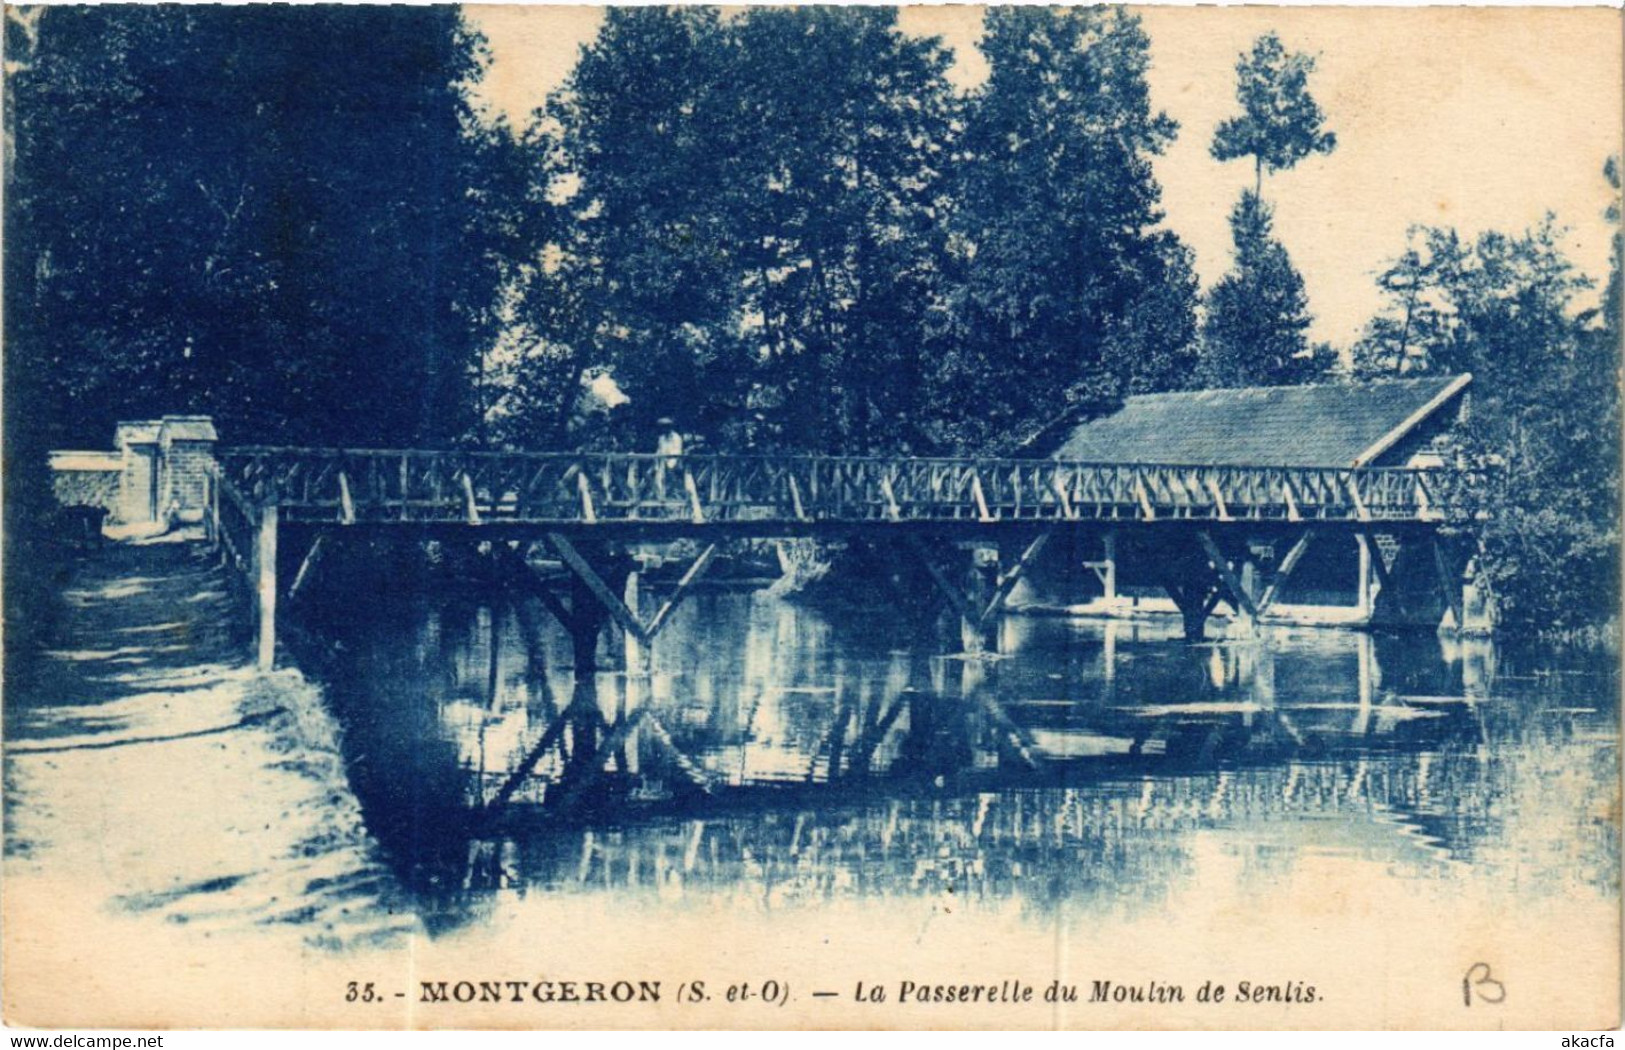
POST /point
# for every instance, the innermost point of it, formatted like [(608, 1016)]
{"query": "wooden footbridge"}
[(271, 506)]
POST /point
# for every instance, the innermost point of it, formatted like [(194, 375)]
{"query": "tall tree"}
[(843, 134), (1254, 331), (757, 215), (1067, 293), (1280, 122), (641, 125), (281, 216)]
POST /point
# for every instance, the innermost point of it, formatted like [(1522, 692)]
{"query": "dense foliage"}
[(1545, 409), (1066, 294), (771, 228)]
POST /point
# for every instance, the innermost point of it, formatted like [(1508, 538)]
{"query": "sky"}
[(1477, 118)]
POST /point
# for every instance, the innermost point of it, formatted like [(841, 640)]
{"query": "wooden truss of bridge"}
[(587, 506)]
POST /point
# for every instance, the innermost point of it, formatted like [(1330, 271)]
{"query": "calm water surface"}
[(779, 757)]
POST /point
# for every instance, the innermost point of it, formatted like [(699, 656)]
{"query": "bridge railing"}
[(379, 486)]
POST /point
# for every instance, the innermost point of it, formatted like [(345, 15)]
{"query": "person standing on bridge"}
[(669, 447)]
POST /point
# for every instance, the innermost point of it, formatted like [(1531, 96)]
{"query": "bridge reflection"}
[(775, 751)]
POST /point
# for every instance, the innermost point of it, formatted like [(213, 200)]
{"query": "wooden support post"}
[(1007, 581), (637, 649), (1243, 601), (977, 633), (1363, 593), (1449, 583), (588, 513), (1379, 567), (471, 510), (949, 591), (584, 572), (1108, 577), (265, 586), (1283, 572)]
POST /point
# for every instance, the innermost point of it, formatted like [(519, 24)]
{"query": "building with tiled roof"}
[(1384, 423)]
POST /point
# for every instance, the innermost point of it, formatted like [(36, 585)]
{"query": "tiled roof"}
[(1329, 425)]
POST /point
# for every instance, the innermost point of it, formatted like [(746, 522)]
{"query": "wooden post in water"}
[(637, 653), (265, 585), (1363, 591)]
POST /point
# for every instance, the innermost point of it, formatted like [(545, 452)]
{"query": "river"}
[(423, 794), (778, 757)]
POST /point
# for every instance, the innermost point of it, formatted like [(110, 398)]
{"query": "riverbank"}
[(158, 789)]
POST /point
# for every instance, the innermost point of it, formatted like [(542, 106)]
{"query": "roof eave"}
[(1411, 422)]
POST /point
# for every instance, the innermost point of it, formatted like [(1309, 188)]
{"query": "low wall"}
[(88, 479)]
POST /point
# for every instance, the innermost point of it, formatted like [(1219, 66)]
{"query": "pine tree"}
[(1258, 313), (1281, 123)]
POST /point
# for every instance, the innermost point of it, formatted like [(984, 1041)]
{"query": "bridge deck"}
[(804, 493)]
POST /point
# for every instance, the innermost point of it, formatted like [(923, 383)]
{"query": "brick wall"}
[(186, 468)]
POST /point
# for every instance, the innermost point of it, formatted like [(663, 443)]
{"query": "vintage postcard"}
[(812, 517)]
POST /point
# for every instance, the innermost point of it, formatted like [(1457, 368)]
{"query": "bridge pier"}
[(979, 595), (606, 589)]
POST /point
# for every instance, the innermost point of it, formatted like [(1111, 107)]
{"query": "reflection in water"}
[(775, 757)]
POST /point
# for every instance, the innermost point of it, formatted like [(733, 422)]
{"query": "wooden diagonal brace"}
[(871, 739), (611, 601), (1025, 747), (982, 512), (694, 572), (955, 598), (795, 499), (588, 513), (1292, 512), (312, 556), (1221, 565), (1449, 583), (695, 512), (1144, 497), (1360, 509), (1288, 564), (892, 510), (1066, 501), (550, 739), (1008, 581)]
